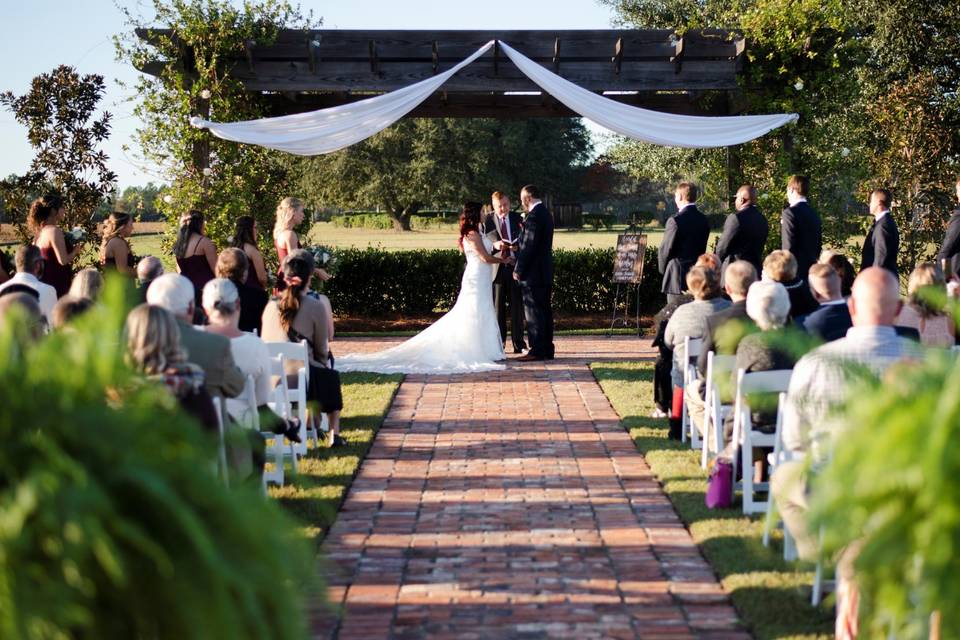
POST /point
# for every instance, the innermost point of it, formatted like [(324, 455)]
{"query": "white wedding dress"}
[(465, 340)]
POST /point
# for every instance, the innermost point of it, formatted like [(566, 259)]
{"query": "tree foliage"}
[(207, 37), (442, 162), (65, 130), (113, 523)]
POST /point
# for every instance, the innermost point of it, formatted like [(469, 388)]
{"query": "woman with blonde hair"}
[(115, 252), (934, 325), (86, 284), (44, 215), (153, 349), (285, 239)]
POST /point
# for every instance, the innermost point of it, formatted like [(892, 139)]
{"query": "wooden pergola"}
[(304, 70)]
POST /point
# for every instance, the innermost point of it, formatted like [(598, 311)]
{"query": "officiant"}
[(502, 227)]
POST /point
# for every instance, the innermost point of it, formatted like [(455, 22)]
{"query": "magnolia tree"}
[(65, 130)]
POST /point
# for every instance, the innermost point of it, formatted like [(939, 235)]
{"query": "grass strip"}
[(772, 597)]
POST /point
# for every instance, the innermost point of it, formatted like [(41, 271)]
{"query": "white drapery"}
[(666, 129), (328, 130)]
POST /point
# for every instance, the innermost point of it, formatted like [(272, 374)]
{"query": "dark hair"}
[(67, 308), (299, 264), (800, 184), (243, 232), (533, 191), (845, 270), (232, 264), (688, 190), (469, 219), (116, 221), (193, 224), (883, 195), (41, 209), (27, 258)]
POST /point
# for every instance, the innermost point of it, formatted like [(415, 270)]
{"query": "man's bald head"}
[(149, 269), (875, 299)]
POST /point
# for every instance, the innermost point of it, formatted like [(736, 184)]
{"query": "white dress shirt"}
[(48, 295)]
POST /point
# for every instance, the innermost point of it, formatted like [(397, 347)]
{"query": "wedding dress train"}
[(466, 339)]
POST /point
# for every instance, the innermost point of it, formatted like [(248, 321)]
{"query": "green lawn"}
[(771, 596), (313, 496)]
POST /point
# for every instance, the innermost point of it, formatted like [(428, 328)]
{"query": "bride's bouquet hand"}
[(321, 274)]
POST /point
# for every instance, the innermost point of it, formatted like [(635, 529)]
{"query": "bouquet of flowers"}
[(74, 237), (324, 258)]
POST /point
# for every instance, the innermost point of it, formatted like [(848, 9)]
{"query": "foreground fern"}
[(112, 523)]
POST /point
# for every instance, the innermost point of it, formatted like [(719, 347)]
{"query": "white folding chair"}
[(282, 406), (691, 349), (775, 459), (715, 412), (221, 410), (298, 352), (743, 433)]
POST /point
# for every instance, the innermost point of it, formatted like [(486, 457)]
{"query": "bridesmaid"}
[(289, 215), (42, 220), (194, 252), (245, 239), (115, 252)]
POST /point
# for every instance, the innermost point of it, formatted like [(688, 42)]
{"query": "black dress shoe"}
[(515, 350), (530, 357), (338, 441)]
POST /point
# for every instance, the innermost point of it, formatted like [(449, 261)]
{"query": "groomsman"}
[(502, 226), (949, 256), (684, 240), (744, 232), (882, 243), (800, 227), (534, 271)]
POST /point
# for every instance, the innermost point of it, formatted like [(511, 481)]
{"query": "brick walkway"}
[(514, 505)]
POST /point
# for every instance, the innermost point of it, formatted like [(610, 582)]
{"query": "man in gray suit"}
[(208, 351)]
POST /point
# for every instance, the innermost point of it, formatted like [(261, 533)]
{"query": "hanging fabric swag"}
[(328, 130)]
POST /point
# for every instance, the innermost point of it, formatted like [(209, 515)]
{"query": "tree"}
[(141, 202), (443, 162), (59, 112), (223, 179)]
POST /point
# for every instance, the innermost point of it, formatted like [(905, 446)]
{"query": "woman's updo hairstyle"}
[(297, 271), (221, 295), (42, 209), (114, 224)]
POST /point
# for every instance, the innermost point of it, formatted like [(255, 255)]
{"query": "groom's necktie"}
[(504, 235)]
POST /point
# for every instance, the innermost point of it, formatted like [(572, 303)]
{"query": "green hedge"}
[(376, 282), (384, 221)]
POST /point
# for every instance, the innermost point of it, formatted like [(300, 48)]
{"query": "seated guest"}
[(221, 302), (148, 269), (296, 316), (733, 322), (25, 305), (780, 266), (822, 380), (68, 308), (209, 351), (86, 284), (688, 321), (935, 327), (154, 349), (845, 270), (831, 321), (29, 262), (233, 265)]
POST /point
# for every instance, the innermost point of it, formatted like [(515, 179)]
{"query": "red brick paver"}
[(513, 505)]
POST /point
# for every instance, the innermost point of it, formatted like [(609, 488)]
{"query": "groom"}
[(534, 272)]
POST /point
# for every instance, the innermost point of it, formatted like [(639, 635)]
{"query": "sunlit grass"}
[(771, 596), (315, 493)]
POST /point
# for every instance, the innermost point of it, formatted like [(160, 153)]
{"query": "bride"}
[(467, 338)]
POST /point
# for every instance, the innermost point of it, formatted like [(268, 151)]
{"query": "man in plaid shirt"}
[(821, 381)]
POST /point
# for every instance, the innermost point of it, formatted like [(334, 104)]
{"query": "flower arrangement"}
[(74, 237)]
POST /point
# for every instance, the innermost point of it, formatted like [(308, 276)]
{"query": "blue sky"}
[(39, 35)]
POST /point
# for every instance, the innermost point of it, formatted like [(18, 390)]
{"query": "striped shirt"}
[(821, 379)]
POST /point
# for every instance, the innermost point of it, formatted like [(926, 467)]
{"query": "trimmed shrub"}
[(384, 221), (376, 282)]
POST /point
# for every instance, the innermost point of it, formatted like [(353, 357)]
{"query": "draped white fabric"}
[(328, 130), (666, 129)]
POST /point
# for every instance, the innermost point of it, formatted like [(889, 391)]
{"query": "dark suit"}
[(735, 312), (534, 270), (802, 235), (504, 286), (950, 249), (881, 245), (744, 236), (684, 240), (211, 352), (253, 300), (830, 322), (802, 302)]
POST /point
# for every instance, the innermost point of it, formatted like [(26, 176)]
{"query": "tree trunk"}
[(401, 217)]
